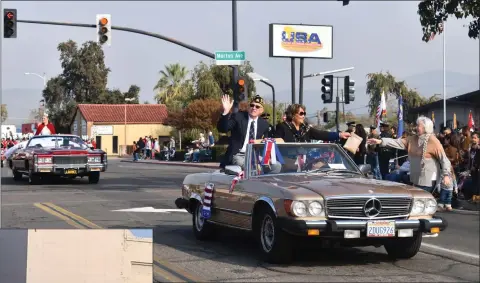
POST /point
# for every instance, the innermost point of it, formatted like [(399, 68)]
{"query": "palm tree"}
[(170, 83)]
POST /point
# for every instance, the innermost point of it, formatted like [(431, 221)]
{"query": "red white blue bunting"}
[(207, 201), (235, 181), (271, 153)]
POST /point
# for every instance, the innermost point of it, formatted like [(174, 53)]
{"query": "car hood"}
[(330, 186)]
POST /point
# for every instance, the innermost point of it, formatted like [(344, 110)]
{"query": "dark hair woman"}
[(359, 156), (295, 129)]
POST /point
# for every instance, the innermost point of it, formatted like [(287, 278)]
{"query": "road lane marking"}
[(158, 271), (150, 209), (89, 201), (74, 216), (161, 267), (59, 215), (455, 252)]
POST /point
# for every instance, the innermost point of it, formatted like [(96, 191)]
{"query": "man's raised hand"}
[(227, 104)]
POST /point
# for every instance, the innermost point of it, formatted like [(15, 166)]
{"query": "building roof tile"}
[(115, 113)]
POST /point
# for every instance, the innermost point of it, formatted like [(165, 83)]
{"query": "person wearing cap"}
[(243, 127), (350, 129), (384, 153), (295, 129), (266, 116), (372, 153), (45, 128)]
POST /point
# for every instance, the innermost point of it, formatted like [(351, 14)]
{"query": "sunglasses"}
[(255, 106), (302, 113)]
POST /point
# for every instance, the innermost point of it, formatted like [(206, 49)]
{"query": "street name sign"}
[(229, 57)]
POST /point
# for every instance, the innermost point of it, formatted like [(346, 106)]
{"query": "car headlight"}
[(424, 206), (44, 160), (94, 159), (307, 208)]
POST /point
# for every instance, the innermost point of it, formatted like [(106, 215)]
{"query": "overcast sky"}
[(371, 36)]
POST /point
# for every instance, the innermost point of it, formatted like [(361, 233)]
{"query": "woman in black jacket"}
[(294, 128)]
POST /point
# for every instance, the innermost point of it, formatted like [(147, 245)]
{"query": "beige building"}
[(75, 256), (114, 125)]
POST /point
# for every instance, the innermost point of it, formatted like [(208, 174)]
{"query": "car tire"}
[(94, 177), (33, 179), (202, 230), (17, 176), (275, 244), (404, 248)]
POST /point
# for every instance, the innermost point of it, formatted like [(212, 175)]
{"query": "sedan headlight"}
[(94, 159), (44, 160), (424, 206), (307, 208)]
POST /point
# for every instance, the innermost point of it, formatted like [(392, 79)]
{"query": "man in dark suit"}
[(243, 126), (385, 154), (266, 116)]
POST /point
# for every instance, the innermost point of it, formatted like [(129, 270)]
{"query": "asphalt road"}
[(453, 256)]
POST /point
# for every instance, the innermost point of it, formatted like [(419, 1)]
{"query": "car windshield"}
[(67, 142), (307, 158)]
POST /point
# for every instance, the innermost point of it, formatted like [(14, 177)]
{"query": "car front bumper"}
[(65, 169), (340, 227)]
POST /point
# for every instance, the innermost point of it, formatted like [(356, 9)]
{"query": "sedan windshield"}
[(61, 142), (300, 158)]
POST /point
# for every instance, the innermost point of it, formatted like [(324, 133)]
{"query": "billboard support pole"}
[(235, 48), (300, 83), (293, 79)]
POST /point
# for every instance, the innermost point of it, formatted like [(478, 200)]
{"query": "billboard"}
[(301, 41)]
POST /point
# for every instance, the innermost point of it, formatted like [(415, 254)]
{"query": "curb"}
[(176, 164), (463, 211)]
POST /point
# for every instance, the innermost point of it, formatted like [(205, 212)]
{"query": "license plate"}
[(94, 169), (381, 229), (70, 171)]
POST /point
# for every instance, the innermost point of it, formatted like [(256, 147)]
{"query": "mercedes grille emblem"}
[(372, 207)]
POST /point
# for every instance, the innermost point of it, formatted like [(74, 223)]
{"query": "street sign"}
[(229, 57)]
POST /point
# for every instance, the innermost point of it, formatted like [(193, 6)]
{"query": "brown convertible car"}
[(57, 156), (309, 190)]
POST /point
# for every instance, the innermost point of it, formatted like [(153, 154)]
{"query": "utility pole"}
[(235, 48), (343, 105), (337, 109), (318, 117)]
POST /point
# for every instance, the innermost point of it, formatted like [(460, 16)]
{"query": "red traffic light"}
[(10, 15)]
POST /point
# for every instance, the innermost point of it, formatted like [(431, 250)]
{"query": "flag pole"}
[(444, 79)]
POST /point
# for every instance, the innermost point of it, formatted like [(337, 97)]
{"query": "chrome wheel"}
[(267, 233), (199, 220)]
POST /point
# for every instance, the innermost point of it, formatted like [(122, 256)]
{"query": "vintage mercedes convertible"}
[(57, 156), (292, 190)]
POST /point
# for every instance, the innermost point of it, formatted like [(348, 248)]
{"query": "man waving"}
[(244, 126)]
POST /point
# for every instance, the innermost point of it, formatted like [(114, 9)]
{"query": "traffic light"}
[(327, 89), (242, 88), (349, 90), (9, 23), (328, 116), (104, 29)]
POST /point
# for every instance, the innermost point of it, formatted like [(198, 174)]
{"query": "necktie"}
[(251, 134)]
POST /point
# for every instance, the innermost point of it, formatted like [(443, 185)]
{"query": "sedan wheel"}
[(201, 228), (275, 244)]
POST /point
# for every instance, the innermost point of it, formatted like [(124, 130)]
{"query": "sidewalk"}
[(210, 165)]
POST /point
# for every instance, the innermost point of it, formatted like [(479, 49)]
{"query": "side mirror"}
[(233, 169), (365, 168)]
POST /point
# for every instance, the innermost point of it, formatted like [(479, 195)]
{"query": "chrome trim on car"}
[(362, 224), (321, 223), (196, 196), (234, 211), (369, 196), (228, 226)]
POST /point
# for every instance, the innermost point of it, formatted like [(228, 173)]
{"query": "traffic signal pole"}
[(337, 109), (235, 48), (132, 30)]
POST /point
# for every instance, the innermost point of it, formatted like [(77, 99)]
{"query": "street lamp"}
[(329, 72), (257, 77), (44, 78), (125, 127)]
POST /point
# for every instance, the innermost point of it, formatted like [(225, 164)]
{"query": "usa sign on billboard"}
[(301, 41)]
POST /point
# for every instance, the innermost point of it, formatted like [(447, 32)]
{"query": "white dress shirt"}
[(244, 148)]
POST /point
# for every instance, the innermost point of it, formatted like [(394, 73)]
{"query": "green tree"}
[(3, 113), (170, 85), (435, 12), (202, 114), (378, 82)]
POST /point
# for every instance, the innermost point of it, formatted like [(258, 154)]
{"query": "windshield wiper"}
[(332, 170)]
